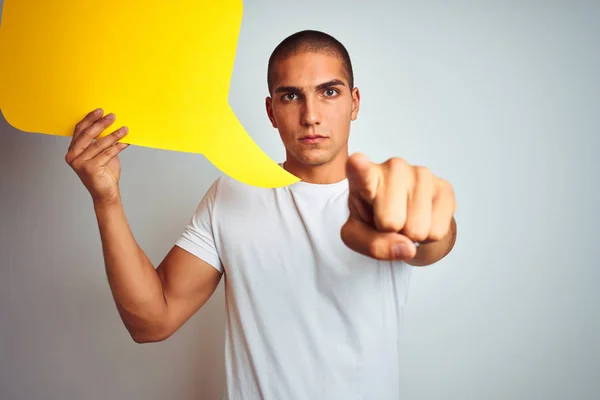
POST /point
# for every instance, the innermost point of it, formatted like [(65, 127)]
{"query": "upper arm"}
[(192, 269), (188, 282)]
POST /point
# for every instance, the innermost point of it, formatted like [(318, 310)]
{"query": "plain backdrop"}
[(500, 98)]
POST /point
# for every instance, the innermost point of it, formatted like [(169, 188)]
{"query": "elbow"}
[(149, 333), (149, 337), (146, 339), (145, 329)]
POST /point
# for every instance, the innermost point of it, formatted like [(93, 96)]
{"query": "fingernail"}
[(400, 250), (110, 116)]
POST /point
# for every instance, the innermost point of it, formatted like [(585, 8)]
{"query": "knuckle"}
[(76, 164), (387, 224), (447, 190), (445, 186), (397, 164), (437, 233), (415, 233), (97, 144), (423, 173), (110, 151)]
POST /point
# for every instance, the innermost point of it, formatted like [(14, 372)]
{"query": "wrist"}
[(101, 204)]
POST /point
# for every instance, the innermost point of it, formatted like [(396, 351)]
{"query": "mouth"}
[(312, 139)]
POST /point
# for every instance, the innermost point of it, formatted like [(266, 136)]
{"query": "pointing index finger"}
[(363, 177)]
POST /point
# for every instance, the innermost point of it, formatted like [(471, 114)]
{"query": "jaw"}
[(317, 154)]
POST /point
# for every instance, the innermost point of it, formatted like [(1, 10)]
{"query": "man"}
[(316, 273)]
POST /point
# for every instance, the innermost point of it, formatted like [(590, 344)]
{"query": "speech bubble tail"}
[(235, 153)]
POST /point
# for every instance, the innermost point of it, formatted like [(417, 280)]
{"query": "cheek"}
[(284, 115), (341, 108), (339, 116), (287, 121)]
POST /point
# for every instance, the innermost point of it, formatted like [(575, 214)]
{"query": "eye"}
[(288, 96), (331, 92)]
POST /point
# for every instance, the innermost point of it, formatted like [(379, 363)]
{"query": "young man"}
[(316, 273)]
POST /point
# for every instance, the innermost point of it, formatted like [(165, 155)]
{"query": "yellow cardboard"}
[(163, 68)]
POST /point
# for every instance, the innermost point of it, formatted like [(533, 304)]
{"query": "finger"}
[(100, 145), (365, 240), (420, 203), (88, 120), (108, 154), (390, 203), (363, 177), (443, 209), (87, 136), (360, 209)]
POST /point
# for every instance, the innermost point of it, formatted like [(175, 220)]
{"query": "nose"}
[(311, 114)]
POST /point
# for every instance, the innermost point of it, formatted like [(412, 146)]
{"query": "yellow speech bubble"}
[(163, 68)]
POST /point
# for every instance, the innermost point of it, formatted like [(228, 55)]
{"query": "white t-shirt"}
[(307, 317)]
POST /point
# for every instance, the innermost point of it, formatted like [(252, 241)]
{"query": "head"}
[(312, 99)]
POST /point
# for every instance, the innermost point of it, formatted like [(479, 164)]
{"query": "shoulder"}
[(225, 185), (229, 192)]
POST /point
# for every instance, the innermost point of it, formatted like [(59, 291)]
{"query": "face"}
[(312, 107)]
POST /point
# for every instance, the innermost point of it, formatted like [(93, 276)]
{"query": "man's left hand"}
[(392, 206)]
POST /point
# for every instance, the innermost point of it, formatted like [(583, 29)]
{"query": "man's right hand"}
[(95, 160)]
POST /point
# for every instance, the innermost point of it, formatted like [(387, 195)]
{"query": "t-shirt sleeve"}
[(198, 237)]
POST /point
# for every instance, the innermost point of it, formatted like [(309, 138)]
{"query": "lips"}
[(310, 137)]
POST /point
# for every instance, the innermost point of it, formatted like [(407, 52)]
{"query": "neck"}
[(331, 172)]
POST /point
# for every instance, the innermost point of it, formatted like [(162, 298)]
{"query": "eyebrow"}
[(294, 89)]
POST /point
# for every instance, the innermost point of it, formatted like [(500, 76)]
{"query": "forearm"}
[(430, 253), (134, 282)]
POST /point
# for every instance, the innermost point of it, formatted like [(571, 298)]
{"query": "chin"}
[(314, 159)]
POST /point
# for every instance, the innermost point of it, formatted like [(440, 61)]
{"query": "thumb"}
[(363, 177), (367, 241)]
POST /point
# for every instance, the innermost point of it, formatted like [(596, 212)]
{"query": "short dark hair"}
[(310, 41)]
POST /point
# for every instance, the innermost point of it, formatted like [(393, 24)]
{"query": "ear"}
[(269, 106), (355, 103)]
